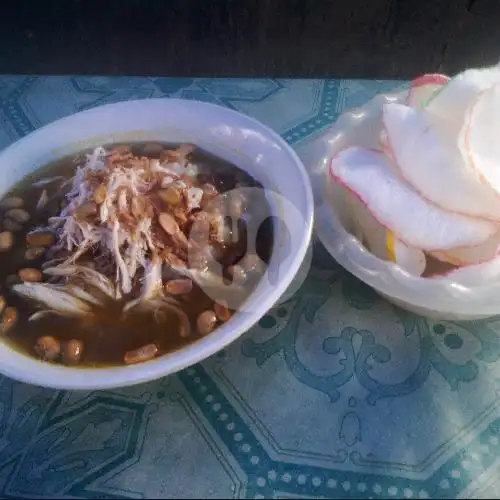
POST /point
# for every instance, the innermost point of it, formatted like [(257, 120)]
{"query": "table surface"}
[(335, 393)]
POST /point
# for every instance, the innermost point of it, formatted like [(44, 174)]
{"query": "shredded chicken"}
[(131, 216), (113, 210)]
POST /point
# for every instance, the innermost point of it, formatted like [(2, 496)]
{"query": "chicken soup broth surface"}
[(123, 253)]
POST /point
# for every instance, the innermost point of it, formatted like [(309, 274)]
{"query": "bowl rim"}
[(60, 377)]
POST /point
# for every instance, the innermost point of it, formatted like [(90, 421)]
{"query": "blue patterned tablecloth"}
[(335, 393)]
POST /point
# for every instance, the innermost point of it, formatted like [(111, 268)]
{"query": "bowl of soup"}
[(139, 238)]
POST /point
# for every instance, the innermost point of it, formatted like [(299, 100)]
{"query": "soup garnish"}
[(124, 253)]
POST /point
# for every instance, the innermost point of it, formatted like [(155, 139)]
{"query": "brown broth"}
[(106, 342)]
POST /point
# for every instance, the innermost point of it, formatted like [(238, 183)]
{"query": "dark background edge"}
[(248, 38)]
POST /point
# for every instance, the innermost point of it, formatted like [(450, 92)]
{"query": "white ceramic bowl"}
[(437, 298), (220, 131)]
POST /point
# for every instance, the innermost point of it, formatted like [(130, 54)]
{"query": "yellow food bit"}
[(170, 195), (390, 243), (100, 194)]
